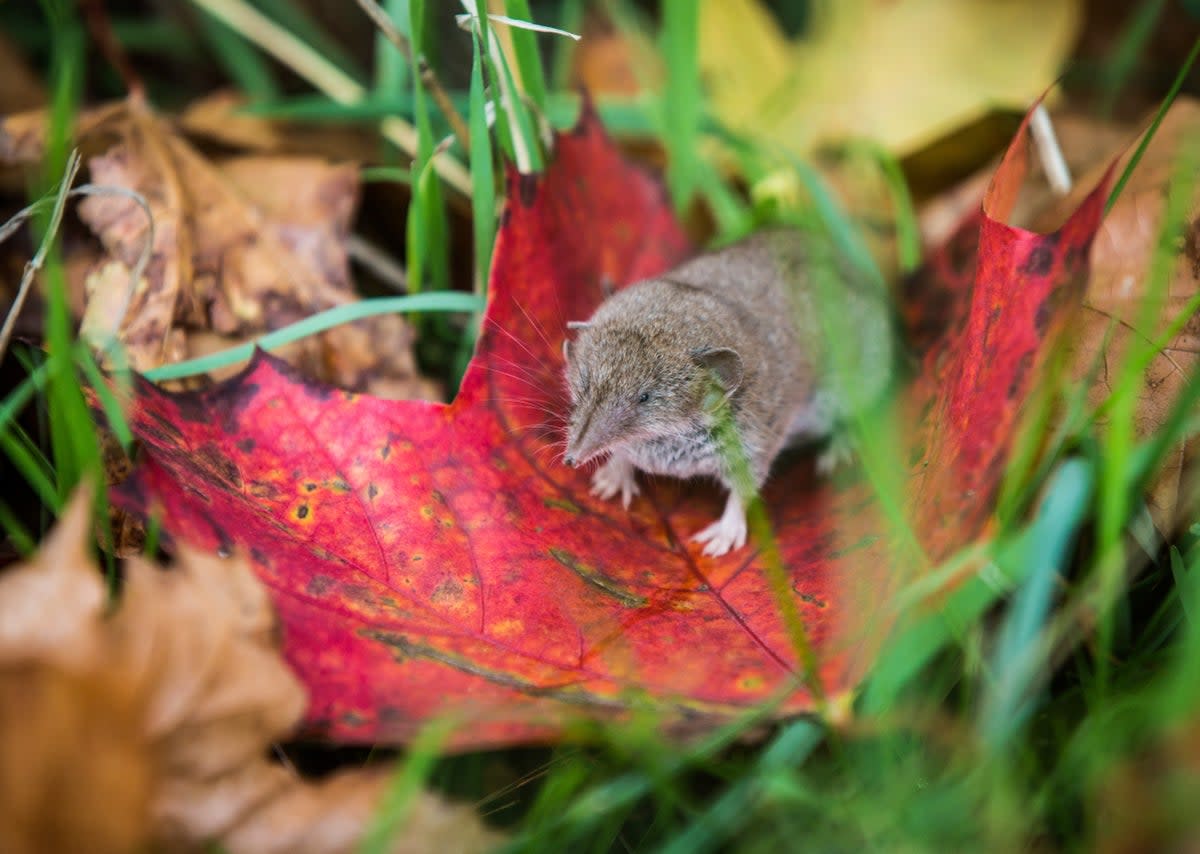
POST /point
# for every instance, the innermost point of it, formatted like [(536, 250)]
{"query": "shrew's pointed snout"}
[(576, 454)]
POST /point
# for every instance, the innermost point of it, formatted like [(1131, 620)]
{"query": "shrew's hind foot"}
[(728, 532), (839, 451)]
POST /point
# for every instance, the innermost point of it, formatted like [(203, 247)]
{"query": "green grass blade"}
[(527, 150), (483, 180), (321, 108), (1184, 582), (32, 465), (713, 829), (1121, 62), (570, 18), (407, 784), (113, 412), (1167, 101), (385, 174), (427, 230), (393, 74), (431, 302), (20, 397), (1020, 653), (681, 105), (16, 532), (525, 50)]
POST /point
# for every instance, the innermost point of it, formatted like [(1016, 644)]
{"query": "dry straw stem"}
[(39, 260), (327, 77), (428, 76), (31, 268)]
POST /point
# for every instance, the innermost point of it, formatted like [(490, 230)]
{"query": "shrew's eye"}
[(644, 397)]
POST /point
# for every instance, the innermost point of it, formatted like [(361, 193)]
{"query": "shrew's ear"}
[(566, 350), (724, 364)]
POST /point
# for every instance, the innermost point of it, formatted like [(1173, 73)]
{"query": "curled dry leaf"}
[(240, 247), (151, 724)]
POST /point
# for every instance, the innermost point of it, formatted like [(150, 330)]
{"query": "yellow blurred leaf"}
[(901, 72)]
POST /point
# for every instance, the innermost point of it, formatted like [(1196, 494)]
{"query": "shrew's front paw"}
[(616, 477)]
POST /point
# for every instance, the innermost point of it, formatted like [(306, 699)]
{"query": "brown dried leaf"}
[(240, 247), (1148, 803), (607, 62), (151, 724), (23, 134), (219, 118), (1120, 261), (20, 88)]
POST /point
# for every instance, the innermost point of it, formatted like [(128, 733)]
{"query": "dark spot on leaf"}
[(233, 402), (1039, 261), (165, 426), (597, 579), (392, 714), (1020, 371), (310, 486), (987, 330), (259, 556), (302, 511), (211, 460), (191, 407), (358, 593), (1048, 309), (340, 485), (560, 504), (318, 391), (263, 489), (353, 719), (372, 491), (224, 541), (319, 584), (962, 251), (448, 591), (527, 186), (1072, 259), (246, 445)]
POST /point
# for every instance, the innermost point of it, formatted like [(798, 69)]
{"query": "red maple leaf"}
[(429, 559)]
